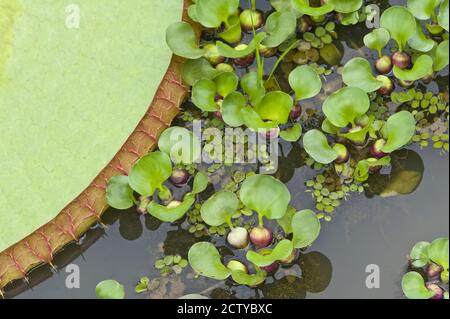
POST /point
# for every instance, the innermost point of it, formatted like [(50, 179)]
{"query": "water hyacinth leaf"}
[(443, 15), (316, 145), (201, 181), (266, 195), (253, 120), (377, 39), (441, 58), (180, 144), (275, 106), (109, 289), (211, 14), (283, 5), (170, 214), (195, 70), (282, 251), (305, 82), (329, 128), (279, 26), (229, 52), (253, 87), (413, 286), (219, 208), (423, 9), (346, 6), (205, 259), (181, 39), (358, 73), (251, 280), (231, 109), (362, 169), (119, 194), (204, 94), (345, 105), (226, 83), (438, 252), (286, 221), (419, 41), (419, 254), (304, 7), (233, 33), (400, 32), (149, 172), (305, 227), (358, 136), (292, 134), (398, 131)]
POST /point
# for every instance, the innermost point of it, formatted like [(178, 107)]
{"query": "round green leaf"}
[(304, 7), (419, 254), (253, 87), (443, 15), (345, 105), (252, 280), (226, 83), (231, 109), (233, 32), (204, 94), (305, 82), (377, 39), (419, 41), (266, 195), (316, 145), (358, 73), (180, 144), (282, 251), (292, 134), (400, 32), (195, 70), (438, 252), (346, 6), (275, 106), (305, 227), (119, 194), (109, 289), (181, 39), (441, 58), (211, 14), (253, 120), (421, 68), (399, 130), (205, 259), (423, 9), (219, 208), (170, 215), (413, 286), (201, 181), (279, 26), (149, 172)]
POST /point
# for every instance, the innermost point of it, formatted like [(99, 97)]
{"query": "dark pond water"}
[(364, 231)]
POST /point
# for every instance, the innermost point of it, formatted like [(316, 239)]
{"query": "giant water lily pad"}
[(76, 78)]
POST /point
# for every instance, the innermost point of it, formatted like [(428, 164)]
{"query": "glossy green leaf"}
[(346, 6), (204, 94), (229, 52), (275, 106), (233, 32), (250, 280), (205, 259), (305, 227), (422, 67), (283, 5), (201, 181), (279, 26), (305, 82), (195, 70), (211, 14), (119, 194), (362, 169), (441, 58), (181, 39), (231, 109), (398, 131), (226, 83), (419, 254), (413, 286), (292, 134), (304, 7), (282, 251), (286, 221), (377, 39), (316, 145), (266, 195), (358, 73), (419, 41), (359, 135), (149, 172), (109, 289), (180, 144), (345, 105), (219, 208), (400, 32), (253, 120), (438, 252), (443, 15), (423, 9), (253, 87), (170, 214)]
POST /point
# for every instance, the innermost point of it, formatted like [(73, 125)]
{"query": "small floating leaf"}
[(181, 39), (304, 7), (346, 6), (170, 214), (109, 289), (305, 227), (292, 134), (201, 181), (441, 58), (377, 39), (279, 26), (211, 14), (204, 94), (253, 86), (281, 252), (205, 259), (229, 52), (358, 73), (119, 194), (398, 131), (195, 70), (252, 280), (423, 9), (419, 41), (438, 252), (219, 208), (443, 15), (316, 145), (421, 68), (413, 286), (231, 109), (305, 82), (400, 32), (275, 106), (226, 83), (419, 254)]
